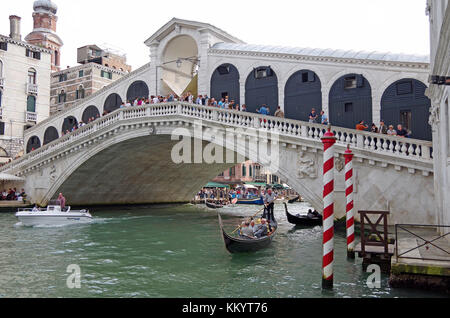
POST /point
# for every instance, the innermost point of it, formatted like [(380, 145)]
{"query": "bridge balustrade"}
[(371, 142)]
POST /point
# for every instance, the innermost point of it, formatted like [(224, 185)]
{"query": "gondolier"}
[(269, 199)]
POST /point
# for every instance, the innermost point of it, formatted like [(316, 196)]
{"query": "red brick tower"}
[(44, 30)]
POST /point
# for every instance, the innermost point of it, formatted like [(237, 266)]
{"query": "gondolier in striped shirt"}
[(269, 202)]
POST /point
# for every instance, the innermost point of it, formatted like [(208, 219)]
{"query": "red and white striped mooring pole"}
[(349, 208), (328, 141)]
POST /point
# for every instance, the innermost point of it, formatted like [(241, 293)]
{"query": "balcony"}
[(32, 89), (2, 82), (31, 117)]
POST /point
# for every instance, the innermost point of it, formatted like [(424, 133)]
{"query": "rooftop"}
[(344, 54)]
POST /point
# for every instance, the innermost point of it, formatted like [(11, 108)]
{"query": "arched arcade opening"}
[(261, 88), (69, 123), (89, 113), (112, 103), (303, 91), (404, 102), (350, 101), (33, 143), (137, 89), (51, 134), (225, 82)]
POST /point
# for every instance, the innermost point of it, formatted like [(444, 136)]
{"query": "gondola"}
[(297, 198), (302, 220), (213, 205), (255, 201), (241, 245)]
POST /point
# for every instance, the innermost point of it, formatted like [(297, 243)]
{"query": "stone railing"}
[(32, 88), (31, 117), (390, 146), (66, 111)]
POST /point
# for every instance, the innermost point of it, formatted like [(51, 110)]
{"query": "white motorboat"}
[(53, 215)]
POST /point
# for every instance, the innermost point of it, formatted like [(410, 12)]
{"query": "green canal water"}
[(173, 251)]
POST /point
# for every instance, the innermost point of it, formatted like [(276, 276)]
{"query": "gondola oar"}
[(252, 217)]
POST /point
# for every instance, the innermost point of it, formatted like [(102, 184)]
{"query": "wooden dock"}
[(375, 247)]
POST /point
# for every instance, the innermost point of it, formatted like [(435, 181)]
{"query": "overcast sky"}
[(399, 26)]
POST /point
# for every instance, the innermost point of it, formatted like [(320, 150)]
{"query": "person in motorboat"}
[(62, 201), (35, 209)]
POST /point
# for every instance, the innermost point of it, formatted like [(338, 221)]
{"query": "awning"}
[(216, 185), (257, 184), (277, 186), (286, 186), (10, 177), (249, 186)]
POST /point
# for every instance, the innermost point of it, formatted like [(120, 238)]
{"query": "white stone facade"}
[(15, 89), (381, 70), (439, 14)]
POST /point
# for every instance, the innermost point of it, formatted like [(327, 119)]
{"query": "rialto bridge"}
[(125, 157)]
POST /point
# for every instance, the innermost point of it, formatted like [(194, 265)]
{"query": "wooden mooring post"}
[(375, 247)]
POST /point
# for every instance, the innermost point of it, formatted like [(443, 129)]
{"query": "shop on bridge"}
[(303, 91), (350, 101), (404, 102)]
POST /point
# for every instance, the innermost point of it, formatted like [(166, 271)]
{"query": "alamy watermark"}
[(374, 279), (74, 279), (225, 145)]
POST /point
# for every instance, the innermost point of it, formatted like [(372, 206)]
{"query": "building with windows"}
[(439, 14), (44, 30), (24, 89), (75, 83), (248, 171)]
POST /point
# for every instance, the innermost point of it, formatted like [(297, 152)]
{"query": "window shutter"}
[(4, 46), (31, 104), (359, 81), (311, 77), (2, 128)]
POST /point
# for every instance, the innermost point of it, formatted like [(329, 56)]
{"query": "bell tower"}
[(44, 30)]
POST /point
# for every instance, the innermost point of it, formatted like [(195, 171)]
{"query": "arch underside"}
[(137, 171)]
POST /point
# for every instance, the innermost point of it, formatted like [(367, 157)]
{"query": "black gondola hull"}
[(302, 220), (242, 245), (213, 205)]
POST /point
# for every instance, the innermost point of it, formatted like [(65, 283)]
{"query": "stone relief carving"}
[(339, 164), (434, 115), (307, 166), (53, 173)]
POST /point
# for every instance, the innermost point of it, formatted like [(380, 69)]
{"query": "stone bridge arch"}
[(116, 164)]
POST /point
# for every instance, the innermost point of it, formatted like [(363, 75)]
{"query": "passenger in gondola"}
[(312, 214), (261, 230), (246, 230)]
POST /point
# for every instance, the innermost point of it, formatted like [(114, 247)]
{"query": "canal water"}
[(173, 251)]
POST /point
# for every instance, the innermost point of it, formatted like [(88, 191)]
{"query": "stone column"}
[(203, 73), (155, 61)]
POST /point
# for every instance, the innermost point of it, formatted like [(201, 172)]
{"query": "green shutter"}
[(31, 104)]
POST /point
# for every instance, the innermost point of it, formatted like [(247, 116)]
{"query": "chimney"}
[(14, 22)]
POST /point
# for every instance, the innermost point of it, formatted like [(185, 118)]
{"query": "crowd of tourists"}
[(13, 195), (400, 131)]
